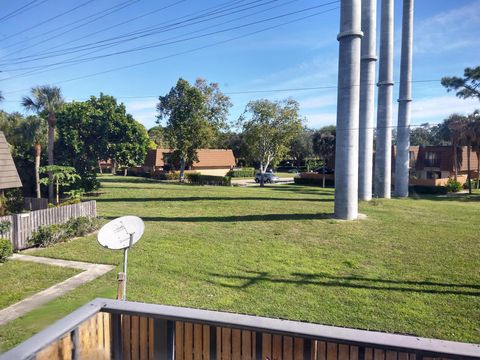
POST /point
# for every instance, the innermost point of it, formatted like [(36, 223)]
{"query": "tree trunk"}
[(478, 170), (181, 178), (58, 194), (125, 171), (38, 151), (114, 167), (455, 161), (100, 166), (469, 175), (323, 172), (51, 139)]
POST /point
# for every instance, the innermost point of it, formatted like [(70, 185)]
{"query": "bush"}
[(453, 185), (166, 175), (5, 250), (81, 226), (14, 201), (199, 179), (54, 234), (429, 190), (245, 172), (49, 235), (4, 228), (313, 182)]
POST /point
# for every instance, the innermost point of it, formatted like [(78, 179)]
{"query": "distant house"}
[(210, 161), (9, 178), (438, 163)]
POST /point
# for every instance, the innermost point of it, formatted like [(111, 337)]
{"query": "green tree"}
[(46, 100), (194, 116), (268, 128), (61, 176), (158, 136), (467, 86), (324, 145), (301, 146)]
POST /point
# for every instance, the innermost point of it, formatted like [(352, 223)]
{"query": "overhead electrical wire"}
[(21, 10)]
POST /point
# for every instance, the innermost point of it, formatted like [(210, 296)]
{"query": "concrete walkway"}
[(251, 182), (90, 272)]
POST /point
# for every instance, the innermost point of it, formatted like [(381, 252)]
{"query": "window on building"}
[(433, 174), (432, 160)]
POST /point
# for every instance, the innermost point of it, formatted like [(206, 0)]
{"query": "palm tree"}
[(324, 145), (453, 130), (47, 100), (34, 131)]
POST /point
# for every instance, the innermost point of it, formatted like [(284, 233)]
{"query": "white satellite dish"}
[(118, 233)]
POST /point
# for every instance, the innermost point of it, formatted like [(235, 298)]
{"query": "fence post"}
[(15, 232)]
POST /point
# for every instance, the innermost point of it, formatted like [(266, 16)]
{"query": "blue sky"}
[(244, 45)]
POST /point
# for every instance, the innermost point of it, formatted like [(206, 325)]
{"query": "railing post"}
[(15, 232), (116, 337), (75, 344), (163, 331)]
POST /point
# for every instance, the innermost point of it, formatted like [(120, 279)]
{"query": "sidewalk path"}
[(251, 182), (91, 272)]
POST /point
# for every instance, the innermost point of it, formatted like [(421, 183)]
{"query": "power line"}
[(149, 31), (48, 20), (70, 61), (154, 45), (21, 10), (97, 15)]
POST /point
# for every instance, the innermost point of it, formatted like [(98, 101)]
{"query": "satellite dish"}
[(115, 235)]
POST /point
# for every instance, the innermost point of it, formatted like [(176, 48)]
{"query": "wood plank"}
[(254, 346), (188, 341), (151, 339), (402, 356), (266, 346), (219, 343), (226, 343), (236, 344), (66, 348), (143, 338), (247, 349), (391, 355), (287, 348), (378, 354), (127, 339), (206, 342), (353, 352), (321, 350), (343, 352), (197, 341), (277, 348), (100, 333), (135, 337), (106, 335), (179, 340), (368, 354), (332, 351), (298, 348)]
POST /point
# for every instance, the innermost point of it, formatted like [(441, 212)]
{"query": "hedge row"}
[(313, 182), (166, 176), (245, 172), (198, 179), (429, 190)]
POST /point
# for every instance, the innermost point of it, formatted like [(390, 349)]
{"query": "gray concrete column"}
[(383, 151), (346, 150), (402, 159), (367, 99)]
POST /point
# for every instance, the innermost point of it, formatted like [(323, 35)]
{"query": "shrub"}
[(453, 185), (166, 175), (313, 182), (14, 201), (81, 226), (245, 172), (49, 235), (4, 228), (5, 250), (54, 234), (429, 190), (199, 179)]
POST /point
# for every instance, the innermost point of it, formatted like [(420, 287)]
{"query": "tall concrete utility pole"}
[(367, 99), (348, 99), (402, 158), (383, 153)]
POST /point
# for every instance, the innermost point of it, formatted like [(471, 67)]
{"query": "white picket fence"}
[(23, 225)]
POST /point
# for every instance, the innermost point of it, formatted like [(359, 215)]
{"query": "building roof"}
[(8, 175), (207, 158)]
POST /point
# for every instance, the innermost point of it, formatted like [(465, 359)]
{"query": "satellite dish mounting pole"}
[(125, 257)]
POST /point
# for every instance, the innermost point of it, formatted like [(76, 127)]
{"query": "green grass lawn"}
[(20, 279), (411, 267)]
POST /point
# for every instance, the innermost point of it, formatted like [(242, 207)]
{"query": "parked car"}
[(319, 170), (289, 169), (268, 178)]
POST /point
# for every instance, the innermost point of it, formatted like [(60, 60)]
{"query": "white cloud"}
[(436, 109), (449, 30), (143, 111)]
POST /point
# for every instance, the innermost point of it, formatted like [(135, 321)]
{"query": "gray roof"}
[(8, 172)]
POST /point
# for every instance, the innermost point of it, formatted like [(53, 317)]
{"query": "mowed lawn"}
[(411, 267)]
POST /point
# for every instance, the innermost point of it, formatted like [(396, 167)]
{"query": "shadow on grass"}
[(209, 198), (127, 179), (253, 278), (457, 197), (239, 218)]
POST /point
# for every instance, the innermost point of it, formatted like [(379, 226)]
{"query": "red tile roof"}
[(207, 158)]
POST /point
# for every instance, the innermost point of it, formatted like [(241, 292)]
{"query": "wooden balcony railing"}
[(112, 329)]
